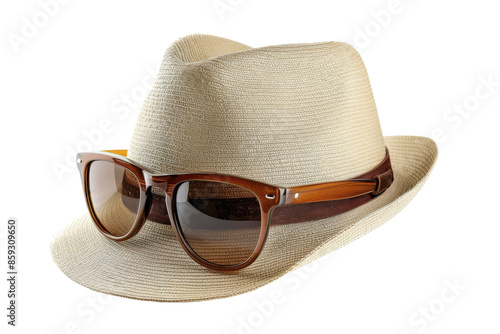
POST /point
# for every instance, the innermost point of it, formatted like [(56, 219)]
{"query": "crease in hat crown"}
[(286, 115)]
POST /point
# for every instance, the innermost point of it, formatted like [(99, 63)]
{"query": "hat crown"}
[(286, 115)]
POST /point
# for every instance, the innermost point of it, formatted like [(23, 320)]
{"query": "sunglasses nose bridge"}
[(152, 180), (156, 196)]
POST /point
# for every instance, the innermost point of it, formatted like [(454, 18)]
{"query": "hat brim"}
[(153, 266)]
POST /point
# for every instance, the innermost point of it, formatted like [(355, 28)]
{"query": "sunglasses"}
[(221, 221)]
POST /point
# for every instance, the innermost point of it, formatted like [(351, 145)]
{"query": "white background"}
[(72, 72)]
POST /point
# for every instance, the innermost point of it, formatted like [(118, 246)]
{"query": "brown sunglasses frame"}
[(269, 196)]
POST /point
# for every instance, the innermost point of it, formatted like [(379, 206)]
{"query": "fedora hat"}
[(288, 116)]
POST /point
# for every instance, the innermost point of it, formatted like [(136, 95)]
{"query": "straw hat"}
[(285, 115)]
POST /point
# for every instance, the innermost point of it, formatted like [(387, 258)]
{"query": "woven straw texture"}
[(286, 115)]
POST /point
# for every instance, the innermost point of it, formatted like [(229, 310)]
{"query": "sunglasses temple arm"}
[(118, 152), (338, 190), (329, 191)]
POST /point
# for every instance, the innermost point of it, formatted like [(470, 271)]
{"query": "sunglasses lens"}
[(221, 222), (114, 193)]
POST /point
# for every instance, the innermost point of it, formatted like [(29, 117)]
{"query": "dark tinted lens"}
[(114, 192), (220, 221)]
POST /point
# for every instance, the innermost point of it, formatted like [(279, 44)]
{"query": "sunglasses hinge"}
[(282, 196)]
